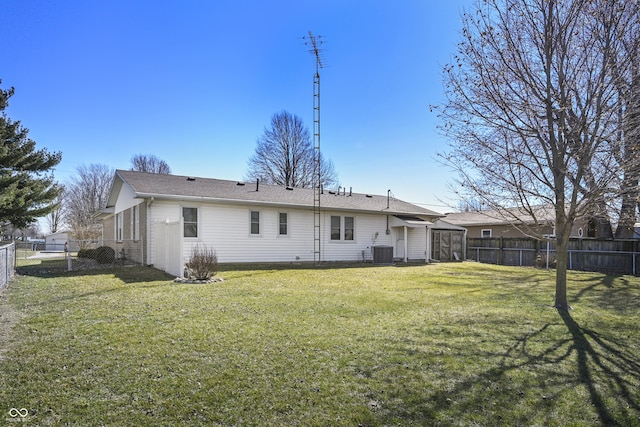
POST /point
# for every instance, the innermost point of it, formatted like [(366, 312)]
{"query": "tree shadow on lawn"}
[(528, 381), (612, 292), (128, 274), (257, 269), (307, 265), (610, 358)]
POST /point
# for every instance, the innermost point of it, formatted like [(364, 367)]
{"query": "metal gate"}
[(168, 247)]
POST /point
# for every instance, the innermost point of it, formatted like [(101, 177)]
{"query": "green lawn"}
[(445, 344)]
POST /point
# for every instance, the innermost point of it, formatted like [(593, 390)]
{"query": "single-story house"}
[(169, 215), (512, 223), (56, 241)]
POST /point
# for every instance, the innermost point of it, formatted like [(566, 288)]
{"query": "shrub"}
[(82, 253), (203, 263), (87, 253), (105, 255), (541, 261)]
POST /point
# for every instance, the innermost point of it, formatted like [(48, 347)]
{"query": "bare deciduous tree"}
[(149, 163), (531, 108), (55, 219), (285, 155), (627, 76), (86, 195)]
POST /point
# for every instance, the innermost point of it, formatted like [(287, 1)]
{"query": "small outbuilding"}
[(56, 241)]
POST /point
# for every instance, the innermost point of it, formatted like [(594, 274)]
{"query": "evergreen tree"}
[(27, 187)]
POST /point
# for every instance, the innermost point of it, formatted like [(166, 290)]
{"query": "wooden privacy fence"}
[(587, 254)]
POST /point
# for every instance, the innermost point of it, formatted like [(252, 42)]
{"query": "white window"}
[(135, 222), (255, 222), (190, 218), (338, 224), (486, 232), (335, 228), (349, 228), (283, 224), (119, 226)]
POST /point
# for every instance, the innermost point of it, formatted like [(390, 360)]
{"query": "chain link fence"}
[(7, 263), (79, 255)]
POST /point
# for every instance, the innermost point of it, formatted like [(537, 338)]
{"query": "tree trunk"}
[(631, 167), (562, 265), (625, 229)]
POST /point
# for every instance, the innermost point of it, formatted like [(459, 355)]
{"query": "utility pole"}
[(313, 42)]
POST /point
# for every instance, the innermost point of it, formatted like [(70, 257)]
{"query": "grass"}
[(446, 344)]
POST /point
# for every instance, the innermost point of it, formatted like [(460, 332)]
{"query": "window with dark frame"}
[(348, 228), (190, 218), (283, 224), (335, 228), (255, 222)]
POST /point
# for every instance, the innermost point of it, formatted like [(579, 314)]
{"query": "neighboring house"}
[(169, 215), (512, 223), (56, 241)]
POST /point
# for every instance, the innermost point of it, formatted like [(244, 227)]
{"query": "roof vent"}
[(190, 178)]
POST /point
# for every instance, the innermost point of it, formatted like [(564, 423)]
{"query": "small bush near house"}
[(105, 255), (87, 253), (203, 263)]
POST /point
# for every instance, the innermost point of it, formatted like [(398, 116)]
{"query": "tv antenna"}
[(314, 42)]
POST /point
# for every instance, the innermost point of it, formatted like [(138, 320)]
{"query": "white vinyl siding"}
[(226, 229), (417, 243)]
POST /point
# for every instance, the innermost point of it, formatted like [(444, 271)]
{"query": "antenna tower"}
[(314, 42)]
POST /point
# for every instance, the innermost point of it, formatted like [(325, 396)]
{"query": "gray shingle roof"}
[(146, 185), (508, 216)]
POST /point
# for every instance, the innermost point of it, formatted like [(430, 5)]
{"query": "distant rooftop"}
[(493, 217)]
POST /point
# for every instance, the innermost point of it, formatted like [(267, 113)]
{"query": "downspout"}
[(148, 233), (428, 250), (406, 245), (464, 245), (388, 231)]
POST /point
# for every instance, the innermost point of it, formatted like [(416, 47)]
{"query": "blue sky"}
[(195, 82)]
